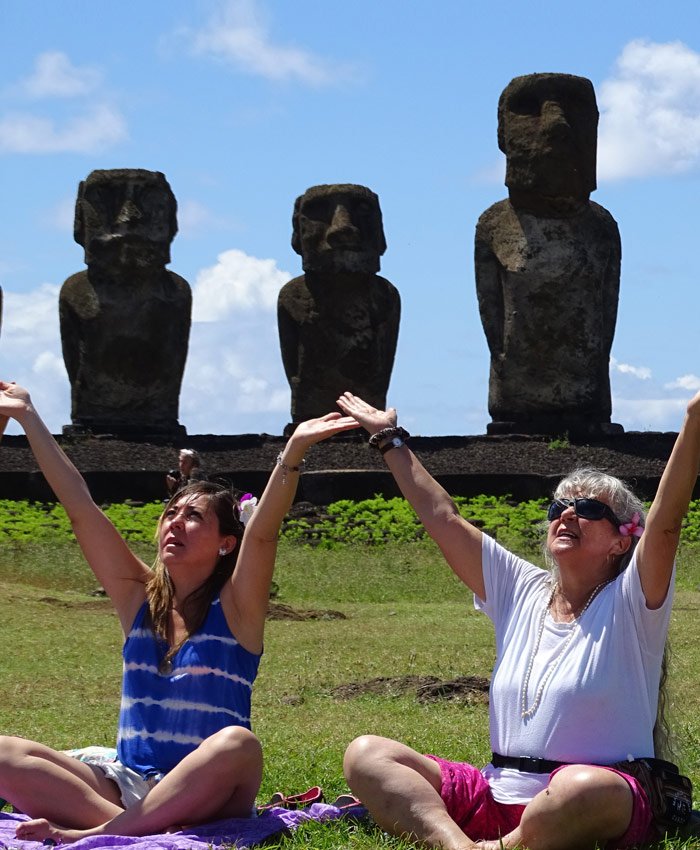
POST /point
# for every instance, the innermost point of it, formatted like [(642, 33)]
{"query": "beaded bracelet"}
[(385, 433), (286, 469)]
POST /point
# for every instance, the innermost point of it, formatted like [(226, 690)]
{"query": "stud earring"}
[(223, 552)]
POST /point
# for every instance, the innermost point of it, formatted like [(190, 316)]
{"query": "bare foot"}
[(40, 829)]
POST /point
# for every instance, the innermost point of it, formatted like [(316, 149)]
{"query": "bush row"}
[(371, 521)]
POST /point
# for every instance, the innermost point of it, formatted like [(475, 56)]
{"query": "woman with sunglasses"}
[(579, 658)]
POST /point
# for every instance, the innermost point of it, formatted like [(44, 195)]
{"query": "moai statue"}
[(339, 321), (125, 322), (548, 265)]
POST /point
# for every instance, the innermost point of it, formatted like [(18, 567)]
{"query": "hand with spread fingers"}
[(371, 419), (314, 430)]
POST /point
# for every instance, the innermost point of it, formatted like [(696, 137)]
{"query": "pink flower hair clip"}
[(632, 527), (246, 506)]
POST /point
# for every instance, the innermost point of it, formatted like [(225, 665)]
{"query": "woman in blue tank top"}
[(193, 629)]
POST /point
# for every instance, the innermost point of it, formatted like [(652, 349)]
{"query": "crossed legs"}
[(582, 806), (219, 779)]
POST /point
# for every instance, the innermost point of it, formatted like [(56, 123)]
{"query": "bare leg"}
[(218, 780), (582, 807), (40, 781), (401, 789)]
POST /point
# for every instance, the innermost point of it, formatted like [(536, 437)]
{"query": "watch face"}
[(397, 441)]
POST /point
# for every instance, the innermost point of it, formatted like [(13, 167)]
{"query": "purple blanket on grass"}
[(243, 832)]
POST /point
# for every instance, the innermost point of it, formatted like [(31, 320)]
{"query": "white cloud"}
[(650, 112), (641, 372), (92, 132), (55, 76), (234, 382), (94, 125), (30, 317), (30, 352), (236, 282), (657, 414), (685, 382), (238, 33)]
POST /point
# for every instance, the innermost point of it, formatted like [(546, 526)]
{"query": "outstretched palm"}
[(369, 417), (314, 430)]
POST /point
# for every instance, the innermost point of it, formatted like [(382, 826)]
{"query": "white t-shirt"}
[(599, 704)]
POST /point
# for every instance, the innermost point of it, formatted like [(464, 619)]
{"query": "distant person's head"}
[(338, 228), (125, 216), (547, 128), (187, 460)]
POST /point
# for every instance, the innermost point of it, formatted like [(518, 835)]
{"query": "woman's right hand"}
[(371, 419), (14, 400)]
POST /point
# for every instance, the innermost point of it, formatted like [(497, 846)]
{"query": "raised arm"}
[(246, 596), (120, 572), (658, 544), (459, 541)]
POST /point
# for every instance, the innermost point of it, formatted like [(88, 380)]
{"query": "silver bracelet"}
[(286, 469)]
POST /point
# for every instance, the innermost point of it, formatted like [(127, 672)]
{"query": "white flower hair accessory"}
[(246, 506)]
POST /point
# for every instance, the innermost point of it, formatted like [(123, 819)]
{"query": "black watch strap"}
[(393, 443)]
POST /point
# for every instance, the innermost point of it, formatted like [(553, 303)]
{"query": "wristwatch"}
[(393, 443)]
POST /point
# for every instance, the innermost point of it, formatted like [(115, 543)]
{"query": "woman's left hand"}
[(314, 430)]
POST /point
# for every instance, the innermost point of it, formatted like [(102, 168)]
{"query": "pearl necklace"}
[(528, 712)]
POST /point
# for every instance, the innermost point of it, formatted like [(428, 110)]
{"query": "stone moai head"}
[(547, 128), (125, 217), (338, 228)]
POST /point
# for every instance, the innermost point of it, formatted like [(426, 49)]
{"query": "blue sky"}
[(243, 105)]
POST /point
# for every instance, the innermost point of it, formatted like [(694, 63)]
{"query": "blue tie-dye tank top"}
[(165, 717)]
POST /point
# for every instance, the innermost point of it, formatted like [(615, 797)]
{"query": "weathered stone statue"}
[(125, 322), (548, 265), (338, 322)]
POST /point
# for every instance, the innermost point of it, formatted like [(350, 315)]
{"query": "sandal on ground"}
[(295, 801), (346, 802), (276, 800), (301, 801)]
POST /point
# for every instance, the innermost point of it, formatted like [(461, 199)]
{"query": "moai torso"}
[(547, 263), (338, 322), (125, 321)]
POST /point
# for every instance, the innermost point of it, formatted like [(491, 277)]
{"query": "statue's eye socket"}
[(101, 199), (364, 208), (317, 210), (524, 104)]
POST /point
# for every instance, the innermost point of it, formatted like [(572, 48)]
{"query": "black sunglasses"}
[(584, 508)]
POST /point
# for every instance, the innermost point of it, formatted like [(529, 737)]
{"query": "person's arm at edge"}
[(659, 542), (118, 570), (459, 541)]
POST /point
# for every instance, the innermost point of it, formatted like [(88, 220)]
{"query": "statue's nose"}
[(129, 213), (342, 229), (554, 118)]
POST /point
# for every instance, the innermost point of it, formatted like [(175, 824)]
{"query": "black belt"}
[(528, 764)]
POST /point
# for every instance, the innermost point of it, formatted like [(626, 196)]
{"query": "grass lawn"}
[(405, 614)]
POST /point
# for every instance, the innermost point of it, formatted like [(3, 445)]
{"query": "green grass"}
[(406, 613)]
